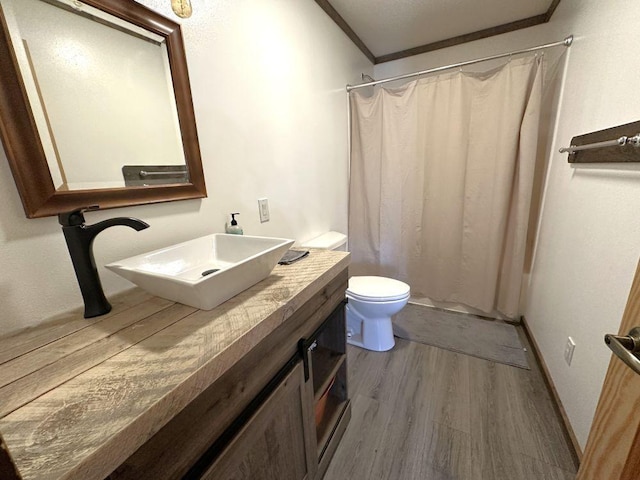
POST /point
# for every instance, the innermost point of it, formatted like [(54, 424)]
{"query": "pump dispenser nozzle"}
[(234, 228)]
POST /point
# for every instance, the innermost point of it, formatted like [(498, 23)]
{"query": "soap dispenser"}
[(233, 228)]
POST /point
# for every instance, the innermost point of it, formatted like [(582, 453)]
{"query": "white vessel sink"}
[(176, 272)]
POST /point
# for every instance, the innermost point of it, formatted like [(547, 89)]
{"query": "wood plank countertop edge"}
[(28, 339), (96, 448)]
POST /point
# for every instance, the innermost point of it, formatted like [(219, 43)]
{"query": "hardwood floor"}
[(423, 413)]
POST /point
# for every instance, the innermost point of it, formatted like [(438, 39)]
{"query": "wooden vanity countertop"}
[(79, 396)]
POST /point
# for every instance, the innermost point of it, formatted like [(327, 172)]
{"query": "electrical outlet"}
[(263, 209), (568, 350)]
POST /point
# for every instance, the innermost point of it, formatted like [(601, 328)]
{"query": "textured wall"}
[(268, 81)]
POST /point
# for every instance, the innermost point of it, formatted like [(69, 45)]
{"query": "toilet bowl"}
[(371, 301)]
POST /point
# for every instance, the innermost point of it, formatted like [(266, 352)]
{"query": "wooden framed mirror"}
[(58, 148)]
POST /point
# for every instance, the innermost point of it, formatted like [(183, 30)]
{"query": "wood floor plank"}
[(407, 410), (445, 450), (363, 437), (358, 364), (533, 469), (376, 374), (512, 417), (438, 450), (533, 419), (491, 436), (423, 413), (451, 389)]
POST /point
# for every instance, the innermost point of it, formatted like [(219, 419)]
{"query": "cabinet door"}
[(275, 443)]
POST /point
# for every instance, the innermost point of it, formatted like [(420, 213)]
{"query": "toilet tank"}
[(328, 241)]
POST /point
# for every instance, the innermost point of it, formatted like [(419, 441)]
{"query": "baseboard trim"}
[(557, 404)]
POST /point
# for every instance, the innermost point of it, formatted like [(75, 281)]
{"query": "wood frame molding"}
[(469, 37), (24, 148), (449, 42), (344, 26), (557, 403)]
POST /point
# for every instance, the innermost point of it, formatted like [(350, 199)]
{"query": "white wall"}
[(589, 235), (267, 79)]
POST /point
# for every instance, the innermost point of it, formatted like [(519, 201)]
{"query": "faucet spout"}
[(96, 228), (79, 237)]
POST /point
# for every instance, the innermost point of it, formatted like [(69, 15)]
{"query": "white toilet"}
[(371, 301)]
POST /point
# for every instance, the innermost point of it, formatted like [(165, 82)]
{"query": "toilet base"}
[(374, 334), (356, 341)]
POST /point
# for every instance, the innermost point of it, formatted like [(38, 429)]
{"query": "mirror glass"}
[(100, 90), (105, 88)]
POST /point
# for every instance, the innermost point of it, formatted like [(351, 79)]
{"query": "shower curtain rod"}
[(566, 42)]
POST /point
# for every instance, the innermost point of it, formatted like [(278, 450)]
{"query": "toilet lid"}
[(380, 289)]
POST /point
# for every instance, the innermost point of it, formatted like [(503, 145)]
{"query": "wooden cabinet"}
[(327, 373), (295, 430), (156, 390), (258, 420), (274, 444)]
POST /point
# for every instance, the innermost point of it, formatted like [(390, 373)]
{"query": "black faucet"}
[(80, 242)]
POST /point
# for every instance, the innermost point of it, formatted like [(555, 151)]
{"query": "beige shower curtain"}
[(441, 180)]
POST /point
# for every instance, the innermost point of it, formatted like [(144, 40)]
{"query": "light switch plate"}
[(568, 350), (263, 209)]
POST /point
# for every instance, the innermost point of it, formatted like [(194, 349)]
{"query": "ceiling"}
[(386, 30)]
